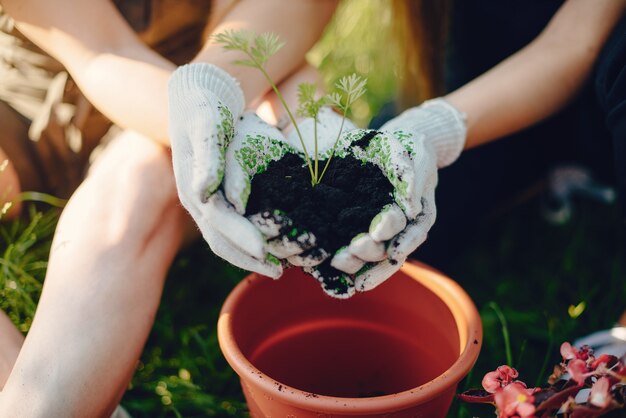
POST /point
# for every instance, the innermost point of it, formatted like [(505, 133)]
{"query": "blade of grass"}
[(546, 358), (505, 332), (522, 350), (291, 118), (317, 178), (43, 198)]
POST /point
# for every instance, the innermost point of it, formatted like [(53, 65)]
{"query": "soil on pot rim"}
[(336, 210)]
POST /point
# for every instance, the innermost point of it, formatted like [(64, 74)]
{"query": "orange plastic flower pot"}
[(396, 351)]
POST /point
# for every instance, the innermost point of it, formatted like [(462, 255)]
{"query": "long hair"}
[(421, 29)]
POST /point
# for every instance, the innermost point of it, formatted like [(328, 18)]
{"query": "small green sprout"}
[(258, 50), (350, 89), (309, 107)]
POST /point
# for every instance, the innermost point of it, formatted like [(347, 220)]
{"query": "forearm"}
[(127, 81), (277, 16), (540, 79), (130, 92)]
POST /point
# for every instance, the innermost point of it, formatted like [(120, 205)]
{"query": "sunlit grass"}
[(537, 274), (358, 40), (24, 247)]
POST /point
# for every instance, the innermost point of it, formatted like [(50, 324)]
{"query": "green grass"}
[(533, 271), (537, 274), (182, 371), (358, 40), (24, 248)]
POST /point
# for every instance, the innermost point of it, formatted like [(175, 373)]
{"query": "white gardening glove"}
[(254, 146), (207, 128), (329, 125), (408, 149)]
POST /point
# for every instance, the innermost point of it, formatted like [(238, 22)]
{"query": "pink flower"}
[(499, 378), (515, 400), (621, 372), (604, 359), (599, 395), (617, 374), (577, 369), (570, 352), (567, 351)]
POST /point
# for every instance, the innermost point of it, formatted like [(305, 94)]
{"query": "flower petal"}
[(599, 395), (567, 351)]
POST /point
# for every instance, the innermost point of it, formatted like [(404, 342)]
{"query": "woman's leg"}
[(18, 170), (9, 187), (113, 246), (11, 341)]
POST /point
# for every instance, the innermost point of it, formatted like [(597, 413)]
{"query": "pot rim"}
[(456, 299)]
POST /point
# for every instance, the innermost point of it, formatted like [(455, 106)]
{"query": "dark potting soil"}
[(336, 210)]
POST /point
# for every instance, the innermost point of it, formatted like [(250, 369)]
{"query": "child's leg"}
[(11, 341), (18, 170), (113, 246)]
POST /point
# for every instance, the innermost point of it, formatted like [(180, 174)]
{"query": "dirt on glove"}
[(336, 210)]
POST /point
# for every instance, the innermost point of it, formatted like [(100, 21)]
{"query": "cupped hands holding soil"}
[(335, 211)]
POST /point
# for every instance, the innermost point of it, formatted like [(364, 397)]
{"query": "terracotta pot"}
[(396, 351)]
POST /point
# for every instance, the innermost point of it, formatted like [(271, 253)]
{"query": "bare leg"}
[(9, 187), (11, 341), (112, 248), (14, 130), (113, 245), (13, 142)]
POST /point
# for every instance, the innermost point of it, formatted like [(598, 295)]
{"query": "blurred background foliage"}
[(552, 283), (359, 40)]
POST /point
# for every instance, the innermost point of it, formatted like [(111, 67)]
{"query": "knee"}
[(134, 168), (130, 186)]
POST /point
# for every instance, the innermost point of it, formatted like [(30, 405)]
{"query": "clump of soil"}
[(336, 210)]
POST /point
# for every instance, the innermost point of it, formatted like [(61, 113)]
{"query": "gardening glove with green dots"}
[(409, 150), (255, 145), (210, 136)]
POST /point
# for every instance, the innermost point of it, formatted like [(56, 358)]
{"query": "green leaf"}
[(335, 99), (258, 48), (308, 106), (234, 40), (266, 45), (246, 63), (353, 86), (306, 92)]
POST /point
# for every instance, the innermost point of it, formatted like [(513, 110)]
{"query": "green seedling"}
[(258, 50)]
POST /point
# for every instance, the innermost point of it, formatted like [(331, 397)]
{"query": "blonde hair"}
[(421, 29)]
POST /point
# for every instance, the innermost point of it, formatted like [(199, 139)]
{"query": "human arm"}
[(541, 78), (529, 86), (103, 284), (525, 88), (127, 81), (112, 247)]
